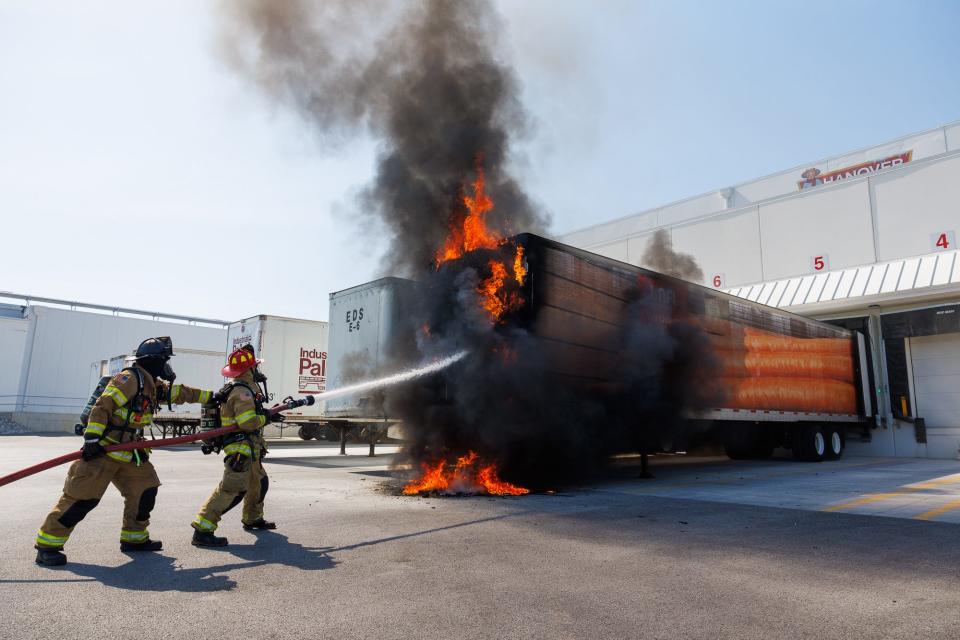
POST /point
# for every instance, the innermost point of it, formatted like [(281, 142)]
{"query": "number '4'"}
[(942, 241)]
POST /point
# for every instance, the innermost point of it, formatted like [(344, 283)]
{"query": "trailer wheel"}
[(834, 443), (810, 443), (306, 432)]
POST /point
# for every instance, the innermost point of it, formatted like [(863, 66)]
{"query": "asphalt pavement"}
[(708, 549)]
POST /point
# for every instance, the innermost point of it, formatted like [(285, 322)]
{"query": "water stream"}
[(396, 378)]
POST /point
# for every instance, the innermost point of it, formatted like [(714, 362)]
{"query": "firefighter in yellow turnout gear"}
[(244, 478), (119, 415)]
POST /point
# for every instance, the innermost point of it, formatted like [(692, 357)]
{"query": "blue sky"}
[(136, 170)]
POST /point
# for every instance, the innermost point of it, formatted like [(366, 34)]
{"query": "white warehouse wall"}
[(953, 137), (711, 240), (13, 339), (624, 228), (915, 203), (832, 222), (64, 350)]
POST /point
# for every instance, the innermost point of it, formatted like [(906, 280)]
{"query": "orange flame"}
[(491, 290), (497, 296), (519, 270), (468, 475), (473, 232)]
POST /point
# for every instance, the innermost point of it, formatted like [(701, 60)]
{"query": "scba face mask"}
[(168, 373), (261, 381), (158, 368)]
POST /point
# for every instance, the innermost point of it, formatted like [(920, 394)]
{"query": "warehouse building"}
[(53, 352), (866, 240)]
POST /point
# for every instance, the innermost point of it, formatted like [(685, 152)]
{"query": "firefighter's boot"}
[(51, 557), (207, 539), (146, 545), (260, 523)]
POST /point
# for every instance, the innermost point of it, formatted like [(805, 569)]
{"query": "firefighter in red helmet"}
[(244, 479)]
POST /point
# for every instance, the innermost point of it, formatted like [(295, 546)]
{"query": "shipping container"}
[(294, 354)]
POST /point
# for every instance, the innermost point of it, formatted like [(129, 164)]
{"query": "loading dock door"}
[(936, 382)]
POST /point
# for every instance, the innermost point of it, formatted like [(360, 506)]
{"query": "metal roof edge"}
[(269, 316), (371, 285), (80, 306), (938, 293)]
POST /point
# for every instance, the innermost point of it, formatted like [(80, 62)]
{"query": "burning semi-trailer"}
[(575, 356), (762, 377)]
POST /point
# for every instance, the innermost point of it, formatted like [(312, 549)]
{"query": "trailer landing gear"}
[(645, 467)]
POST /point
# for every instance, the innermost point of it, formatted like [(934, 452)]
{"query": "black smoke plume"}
[(427, 80), (423, 78), (660, 256)]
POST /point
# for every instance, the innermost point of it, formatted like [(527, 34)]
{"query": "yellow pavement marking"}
[(876, 497), (903, 491), (933, 513)]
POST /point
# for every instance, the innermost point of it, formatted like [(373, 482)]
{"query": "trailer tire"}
[(307, 432), (810, 443), (834, 443)]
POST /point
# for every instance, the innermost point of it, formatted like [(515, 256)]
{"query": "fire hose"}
[(149, 444)]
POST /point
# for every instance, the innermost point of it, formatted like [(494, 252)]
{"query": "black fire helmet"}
[(161, 347), (153, 355)]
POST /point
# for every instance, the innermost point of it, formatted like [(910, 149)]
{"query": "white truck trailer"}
[(365, 344), (294, 354)]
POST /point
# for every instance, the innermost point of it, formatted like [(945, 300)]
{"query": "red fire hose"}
[(148, 444), (126, 446)]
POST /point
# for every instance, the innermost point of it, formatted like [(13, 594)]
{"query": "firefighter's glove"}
[(275, 417), (92, 449)]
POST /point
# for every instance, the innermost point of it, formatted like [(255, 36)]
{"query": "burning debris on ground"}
[(469, 475)]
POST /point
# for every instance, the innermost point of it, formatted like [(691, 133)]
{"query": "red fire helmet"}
[(240, 360)]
